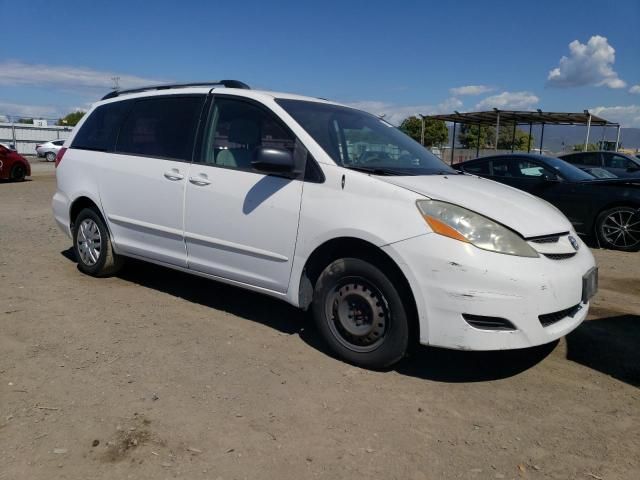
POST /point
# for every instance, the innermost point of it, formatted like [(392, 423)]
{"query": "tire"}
[(50, 157), (378, 336), (92, 245), (618, 228), (18, 172)]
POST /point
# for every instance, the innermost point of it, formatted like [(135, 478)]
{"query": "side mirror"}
[(273, 160), (633, 168), (550, 177)]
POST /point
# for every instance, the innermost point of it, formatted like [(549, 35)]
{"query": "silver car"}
[(49, 150)]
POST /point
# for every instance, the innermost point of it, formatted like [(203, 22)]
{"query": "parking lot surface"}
[(157, 374)]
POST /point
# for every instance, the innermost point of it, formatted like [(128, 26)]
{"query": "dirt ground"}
[(157, 374)]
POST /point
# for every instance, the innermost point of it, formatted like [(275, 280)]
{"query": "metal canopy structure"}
[(518, 117)]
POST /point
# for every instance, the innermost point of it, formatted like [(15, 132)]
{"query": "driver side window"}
[(236, 129)]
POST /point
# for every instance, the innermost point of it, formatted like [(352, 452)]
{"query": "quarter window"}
[(161, 127), (99, 131), (478, 168), (590, 159)]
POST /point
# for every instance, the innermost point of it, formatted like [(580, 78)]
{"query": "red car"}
[(13, 166)]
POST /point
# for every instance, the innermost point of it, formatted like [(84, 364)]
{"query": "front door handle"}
[(173, 174), (200, 180)]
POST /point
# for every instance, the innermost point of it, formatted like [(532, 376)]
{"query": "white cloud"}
[(471, 90), (395, 114), (18, 73), (509, 100), (627, 116), (21, 110), (587, 64), (635, 89)]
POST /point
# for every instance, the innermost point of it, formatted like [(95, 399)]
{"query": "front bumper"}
[(449, 278)]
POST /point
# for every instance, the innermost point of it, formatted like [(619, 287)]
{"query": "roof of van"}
[(195, 88)]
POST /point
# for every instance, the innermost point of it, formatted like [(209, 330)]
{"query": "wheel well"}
[(357, 248), (78, 205)]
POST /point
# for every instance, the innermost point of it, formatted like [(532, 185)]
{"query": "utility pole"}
[(497, 127), (586, 140), (116, 83), (422, 134)]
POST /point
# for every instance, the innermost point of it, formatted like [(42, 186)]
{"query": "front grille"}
[(551, 318), (559, 256), (550, 239), (488, 323)]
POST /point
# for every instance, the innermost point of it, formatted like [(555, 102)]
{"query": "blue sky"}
[(397, 58)]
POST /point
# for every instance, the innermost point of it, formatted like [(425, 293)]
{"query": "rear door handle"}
[(201, 181), (173, 174)]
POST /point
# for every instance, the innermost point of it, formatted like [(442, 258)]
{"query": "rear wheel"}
[(92, 245), (18, 172), (360, 314), (618, 228), (50, 156)]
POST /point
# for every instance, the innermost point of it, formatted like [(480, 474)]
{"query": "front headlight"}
[(466, 226)]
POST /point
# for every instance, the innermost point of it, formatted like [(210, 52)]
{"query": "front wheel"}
[(618, 228), (18, 172), (50, 156), (360, 314), (92, 245)]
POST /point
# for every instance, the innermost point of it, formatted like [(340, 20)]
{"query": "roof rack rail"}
[(224, 83)]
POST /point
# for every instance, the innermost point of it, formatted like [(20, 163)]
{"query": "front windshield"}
[(355, 139), (568, 171)]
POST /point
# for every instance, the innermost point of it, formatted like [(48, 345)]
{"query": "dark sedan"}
[(608, 208), (620, 164)]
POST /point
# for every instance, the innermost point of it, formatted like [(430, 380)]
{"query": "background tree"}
[(71, 119), (435, 131), (468, 136), (26, 121), (522, 140), (579, 147)]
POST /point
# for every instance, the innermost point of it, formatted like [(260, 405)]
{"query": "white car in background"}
[(291, 197), (49, 150)]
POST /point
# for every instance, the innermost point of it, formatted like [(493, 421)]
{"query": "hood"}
[(626, 182), (518, 210)]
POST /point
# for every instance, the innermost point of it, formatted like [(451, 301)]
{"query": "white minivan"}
[(325, 207)]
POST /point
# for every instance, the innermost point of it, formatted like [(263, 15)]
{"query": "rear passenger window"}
[(161, 127), (99, 131)]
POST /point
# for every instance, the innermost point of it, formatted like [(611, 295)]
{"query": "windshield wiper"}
[(377, 170)]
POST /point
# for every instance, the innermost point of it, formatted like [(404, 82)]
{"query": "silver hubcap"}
[(89, 242), (358, 315), (622, 228)]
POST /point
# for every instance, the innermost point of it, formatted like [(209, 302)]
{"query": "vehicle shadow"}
[(456, 366), (610, 345), (429, 363)]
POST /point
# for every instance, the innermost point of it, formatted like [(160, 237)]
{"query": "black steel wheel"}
[(360, 314), (618, 228)]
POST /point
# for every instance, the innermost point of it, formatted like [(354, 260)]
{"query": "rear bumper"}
[(60, 205), (449, 278)]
